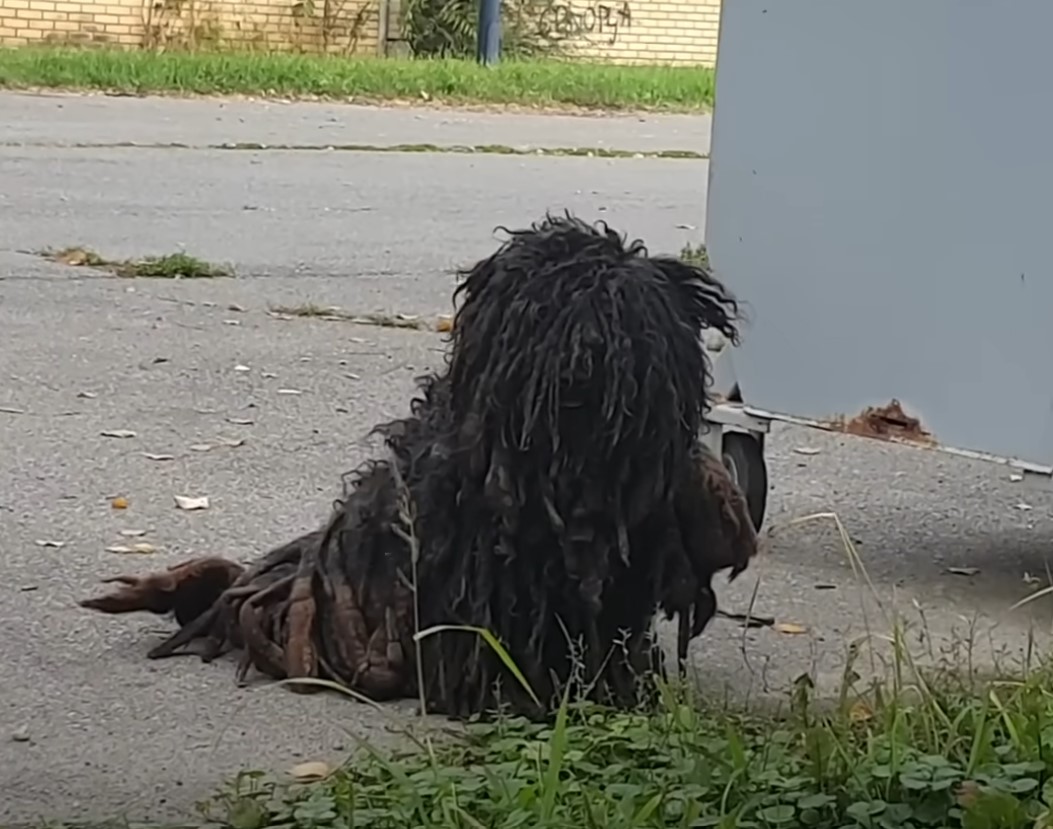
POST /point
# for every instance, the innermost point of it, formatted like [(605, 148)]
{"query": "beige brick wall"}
[(634, 31), (350, 26)]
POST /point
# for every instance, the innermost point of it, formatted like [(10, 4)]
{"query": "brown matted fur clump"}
[(549, 485)]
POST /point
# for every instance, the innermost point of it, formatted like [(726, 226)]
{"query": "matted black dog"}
[(549, 485)]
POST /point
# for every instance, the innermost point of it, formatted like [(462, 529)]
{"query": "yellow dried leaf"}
[(444, 324), (790, 628), (120, 502), (860, 712), (310, 772)]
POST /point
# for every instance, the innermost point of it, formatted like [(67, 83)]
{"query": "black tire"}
[(744, 459)]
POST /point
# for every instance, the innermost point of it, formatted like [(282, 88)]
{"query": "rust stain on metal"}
[(885, 422)]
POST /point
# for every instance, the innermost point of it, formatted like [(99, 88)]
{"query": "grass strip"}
[(541, 84)]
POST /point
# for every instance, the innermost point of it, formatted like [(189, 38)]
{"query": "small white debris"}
[(47, 542), (142, 548), (242, 368), (1016, 478), (188, 502), (240, 421), (1022, 506), (963, 571), (289, 391), (150, 456), (806, 450), (133, 533)]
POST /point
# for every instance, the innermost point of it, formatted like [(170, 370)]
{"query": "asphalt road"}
[(88, 728)]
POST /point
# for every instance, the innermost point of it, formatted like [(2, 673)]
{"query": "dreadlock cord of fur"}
[(560, 497)]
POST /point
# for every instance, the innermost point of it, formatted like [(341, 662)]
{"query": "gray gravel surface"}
[(71, 119), (88, 728)]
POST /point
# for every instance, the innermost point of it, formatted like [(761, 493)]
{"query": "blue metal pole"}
[(488, 48)]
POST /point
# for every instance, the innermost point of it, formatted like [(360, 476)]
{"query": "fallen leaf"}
[(289, 391), (310, 772), (11, 410), (860, 712), (188, 502), (21, 734), (963, 571), (789, 628), (233, 443), (44, 542), (967, 793), (74, 257), (1029, 579), (142, 548), (444, 324), (240, 421), (200, 447), (234, 307), (150, 456), (133, 533), (806, 450), (268, 375), (352, 376), (242, 368), (118, 433), (87, 395), (120, 502)]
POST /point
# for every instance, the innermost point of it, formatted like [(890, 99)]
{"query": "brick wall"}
[(349, 27), (634, 31), (613, 31)]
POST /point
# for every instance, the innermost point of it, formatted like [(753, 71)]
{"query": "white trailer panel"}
[(881, 195)]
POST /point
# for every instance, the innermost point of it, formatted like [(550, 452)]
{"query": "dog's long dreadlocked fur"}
[(549, 485)]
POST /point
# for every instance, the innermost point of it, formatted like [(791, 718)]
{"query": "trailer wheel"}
[(744, 459)]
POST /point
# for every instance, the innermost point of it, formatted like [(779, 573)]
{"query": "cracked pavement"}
[(89, 728)]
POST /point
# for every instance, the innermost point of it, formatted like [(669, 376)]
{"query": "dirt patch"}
[(884, 422), (331, 313), (170, 266)]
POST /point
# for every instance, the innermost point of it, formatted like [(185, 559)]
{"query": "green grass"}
[(920, 745), (535, 83), (948, 758)]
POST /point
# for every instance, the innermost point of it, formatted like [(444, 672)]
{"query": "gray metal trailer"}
[(881, 197)]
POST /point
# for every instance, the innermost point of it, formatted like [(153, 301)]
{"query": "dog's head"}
[(582, 350)]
